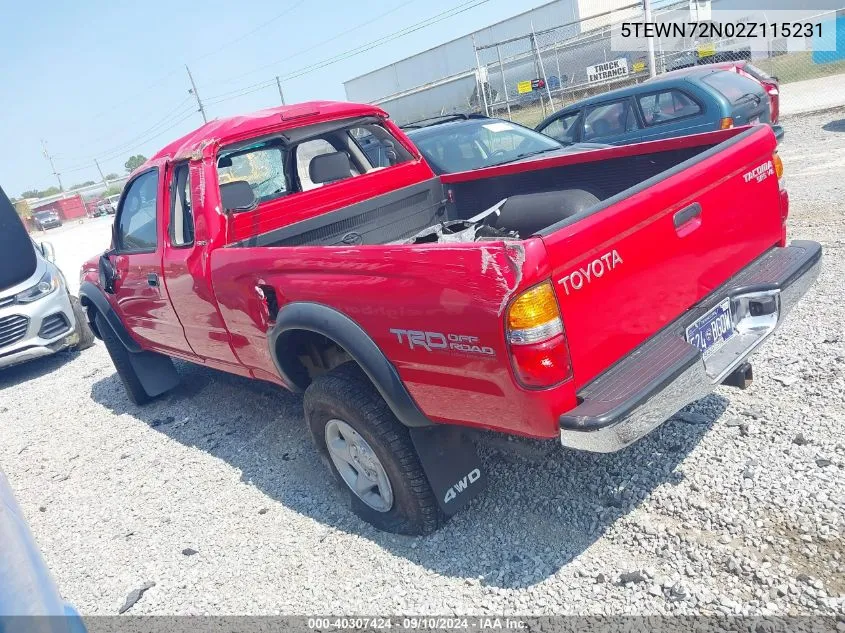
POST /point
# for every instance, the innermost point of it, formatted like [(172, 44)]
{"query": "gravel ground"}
[(216, 495)]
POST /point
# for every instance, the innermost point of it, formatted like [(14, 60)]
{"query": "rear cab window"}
[(311, 157)]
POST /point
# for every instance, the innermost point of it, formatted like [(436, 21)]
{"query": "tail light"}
[(784, 197), (538, 346), (726, 123)]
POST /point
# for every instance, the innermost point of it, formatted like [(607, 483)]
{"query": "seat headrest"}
[(329, 167)]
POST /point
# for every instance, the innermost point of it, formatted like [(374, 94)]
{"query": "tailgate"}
[(650, 253)]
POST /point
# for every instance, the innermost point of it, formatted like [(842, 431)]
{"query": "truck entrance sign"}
[(608, 70)]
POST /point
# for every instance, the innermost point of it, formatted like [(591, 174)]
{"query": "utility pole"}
[(652, 66), (281, 94), (194, 92), (52, 166), (97, 163)]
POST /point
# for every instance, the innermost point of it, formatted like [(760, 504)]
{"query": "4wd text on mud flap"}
[(462, 484), (596, 268), (431, 341)]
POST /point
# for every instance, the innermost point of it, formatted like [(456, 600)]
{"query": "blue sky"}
[(98, 78)]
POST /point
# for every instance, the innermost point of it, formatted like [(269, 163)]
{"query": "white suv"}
[(38, 316)]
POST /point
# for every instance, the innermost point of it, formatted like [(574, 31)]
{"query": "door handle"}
[(686, 214), (152, 279)]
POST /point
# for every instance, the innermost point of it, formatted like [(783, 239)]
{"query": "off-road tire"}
[(84, 335), (120, 357), (346, 394)]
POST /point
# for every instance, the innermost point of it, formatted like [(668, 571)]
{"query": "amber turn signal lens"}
[(778, 162), (726, 123), (533, 307)]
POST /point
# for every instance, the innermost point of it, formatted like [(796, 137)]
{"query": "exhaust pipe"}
[(740, 377)]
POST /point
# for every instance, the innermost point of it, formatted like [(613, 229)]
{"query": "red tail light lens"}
[(538, 346)]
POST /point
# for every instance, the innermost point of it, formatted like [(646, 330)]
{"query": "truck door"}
[(142, 301), (186, 274)]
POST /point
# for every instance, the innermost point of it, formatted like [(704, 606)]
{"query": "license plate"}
[(712, 330)]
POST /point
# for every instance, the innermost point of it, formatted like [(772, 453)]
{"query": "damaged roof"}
[(233, 128)]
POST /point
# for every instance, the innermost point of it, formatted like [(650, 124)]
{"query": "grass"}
[(798, 67)]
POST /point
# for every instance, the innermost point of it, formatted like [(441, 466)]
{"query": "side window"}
[(562, 128), (136, 223), (181, 211), (605, 120), (319, 163), (263, 167), (667, 106), (379, 146)]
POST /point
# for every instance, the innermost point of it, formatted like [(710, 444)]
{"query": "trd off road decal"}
[(592, 270), (432, 341), (759, 174)]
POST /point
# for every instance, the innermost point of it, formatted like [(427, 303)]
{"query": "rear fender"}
[(318, 318)]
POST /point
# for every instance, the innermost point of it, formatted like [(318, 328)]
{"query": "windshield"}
[(477, 143), (43, 215)]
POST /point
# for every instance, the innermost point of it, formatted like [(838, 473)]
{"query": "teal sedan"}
[(702, 101)]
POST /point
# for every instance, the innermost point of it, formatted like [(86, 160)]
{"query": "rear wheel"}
[(122, 363), (370, 453)]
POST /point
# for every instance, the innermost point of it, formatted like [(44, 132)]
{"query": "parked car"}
[(38, 316), (746, 69), (696, 101), (550, 298), (462, 142), (112, 201), (46, 219)]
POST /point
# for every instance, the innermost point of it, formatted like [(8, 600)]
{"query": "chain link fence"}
[(527, 78)]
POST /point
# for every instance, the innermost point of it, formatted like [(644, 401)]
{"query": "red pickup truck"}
[(584, 297)]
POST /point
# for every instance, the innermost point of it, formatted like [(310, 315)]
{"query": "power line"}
[(301, 52), (226, 96), (170, 113), (116, 150)]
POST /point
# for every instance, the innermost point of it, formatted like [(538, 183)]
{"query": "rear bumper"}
[(666, 373)]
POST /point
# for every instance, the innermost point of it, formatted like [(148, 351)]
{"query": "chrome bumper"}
[(34, 342), (666, 373)]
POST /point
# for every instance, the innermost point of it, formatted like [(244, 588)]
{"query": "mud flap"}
[(155, 372), (451, 464)]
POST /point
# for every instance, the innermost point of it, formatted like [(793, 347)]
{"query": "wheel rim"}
[(358, 465)]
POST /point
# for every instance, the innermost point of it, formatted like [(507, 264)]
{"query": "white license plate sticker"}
[(713, 330)]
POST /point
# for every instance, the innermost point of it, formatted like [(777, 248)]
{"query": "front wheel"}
[(370, 453), (84, 335)]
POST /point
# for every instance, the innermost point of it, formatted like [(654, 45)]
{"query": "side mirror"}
[(107, 273), (237, 196), (48, 251)]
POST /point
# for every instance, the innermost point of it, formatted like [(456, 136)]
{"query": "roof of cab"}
[(230, 128)]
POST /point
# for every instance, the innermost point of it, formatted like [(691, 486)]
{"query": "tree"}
[(112, 176), (35, 193), (134, 162), (30, 193), (113, 190), (87, 183)]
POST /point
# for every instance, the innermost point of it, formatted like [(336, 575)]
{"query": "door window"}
[(669, 105), (136, 223), (563, 128), (181, 210)]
